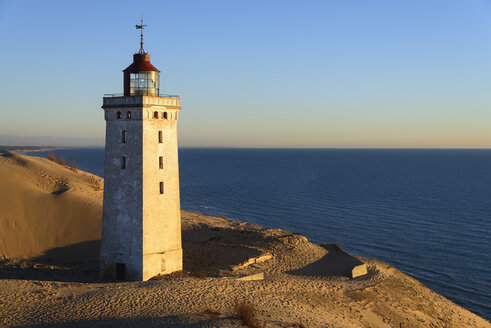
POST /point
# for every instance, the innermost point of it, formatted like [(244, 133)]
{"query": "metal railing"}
[(114, 95)]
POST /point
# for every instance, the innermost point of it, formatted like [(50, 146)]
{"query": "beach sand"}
[(50, 223)]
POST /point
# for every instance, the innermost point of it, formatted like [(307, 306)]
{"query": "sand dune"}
[(44, 206), (48, 276)]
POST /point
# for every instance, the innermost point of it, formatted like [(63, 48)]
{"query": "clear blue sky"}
[(352, 73)]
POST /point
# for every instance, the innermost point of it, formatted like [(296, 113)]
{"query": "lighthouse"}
[(141, 222)]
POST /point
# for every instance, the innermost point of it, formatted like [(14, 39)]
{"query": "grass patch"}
[(61, 161), (95, 182), (51, 157), (247, 313), (61, 186), (73, 166)]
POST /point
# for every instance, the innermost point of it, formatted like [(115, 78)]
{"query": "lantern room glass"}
[(144, 83)]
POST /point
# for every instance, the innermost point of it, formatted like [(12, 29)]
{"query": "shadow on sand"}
[(73, 263), (336, 263), (213, 251), (207, 251), (199, 321)]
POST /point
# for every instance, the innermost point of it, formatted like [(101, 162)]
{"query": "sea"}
[(425, 211)]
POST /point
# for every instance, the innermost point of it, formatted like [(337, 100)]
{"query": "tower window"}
[(123, 162), (176, 116), (155, 114), (118, 115), (160, 136), (161, 188), (144, 83), (123, 140), (128, 115), (161, 162), (165, 115)]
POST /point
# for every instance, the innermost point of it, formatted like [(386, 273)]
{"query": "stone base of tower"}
[(115, 267), (135, 270), (162, 263)]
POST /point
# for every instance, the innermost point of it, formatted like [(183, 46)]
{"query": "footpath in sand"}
[(50, 222)]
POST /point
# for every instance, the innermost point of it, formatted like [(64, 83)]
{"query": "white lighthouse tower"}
[(141, 224)]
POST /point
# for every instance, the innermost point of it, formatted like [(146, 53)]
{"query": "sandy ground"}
[(49, 245)]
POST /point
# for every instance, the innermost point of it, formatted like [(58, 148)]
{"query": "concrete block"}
[(256, 276), (359, 270), (263, 258), (252, 260)]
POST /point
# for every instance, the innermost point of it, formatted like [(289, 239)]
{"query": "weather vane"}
[(141, 27)]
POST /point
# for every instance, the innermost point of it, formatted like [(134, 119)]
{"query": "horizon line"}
[(7, 147)]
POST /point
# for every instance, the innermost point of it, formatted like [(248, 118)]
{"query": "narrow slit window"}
[(165, 115), (161, 188), (160, 136), (123, 162), (123, 137), (118, 115), (176, 116), (155, 114), (161, 162), (128, 115)]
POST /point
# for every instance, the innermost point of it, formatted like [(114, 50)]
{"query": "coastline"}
[(20, 150), (302, 283)]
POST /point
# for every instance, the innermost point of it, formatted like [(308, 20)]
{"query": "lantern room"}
[(141, 78)]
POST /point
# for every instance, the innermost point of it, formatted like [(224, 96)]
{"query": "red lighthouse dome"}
[(141, 78)]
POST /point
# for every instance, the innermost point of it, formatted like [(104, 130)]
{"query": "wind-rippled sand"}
[(50, 234)]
